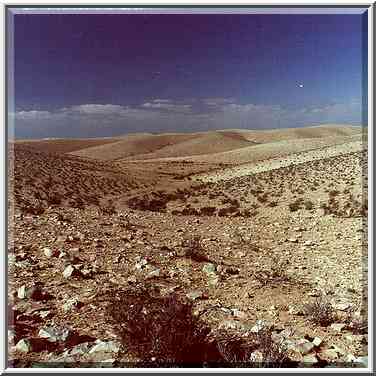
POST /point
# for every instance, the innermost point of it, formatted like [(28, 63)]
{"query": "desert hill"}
[(237, 144), (40, 179), (62, 146)]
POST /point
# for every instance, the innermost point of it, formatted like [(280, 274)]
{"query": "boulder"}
[(310, 359), (24, 345), (68, 271), (303, 346), (337, 327), (195, 295), (259, 326), (54, 334), (209, 268), (317, 341), (70, 304), (342, 306), (22, 292), (103, 346), (328, 355)]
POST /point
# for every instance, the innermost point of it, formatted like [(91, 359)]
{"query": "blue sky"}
[(103, 75)]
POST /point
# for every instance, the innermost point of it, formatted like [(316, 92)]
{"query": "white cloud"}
[(32, 115), (167, 105), (96, 109), (161, 115), (162, 100), (218, 101)]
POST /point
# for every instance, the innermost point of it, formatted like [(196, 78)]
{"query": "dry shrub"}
[(333, 193), (54, 199), (208, 210), (163, 332), (234, 349), (189, 211), (320, 312), (34, 208), (275, 272), (296, 205), (308, 205), (108, 208), (263, 197), (146, 203), (238, 350), (274, 353), (162, 328), (226, 212), (194, 249), (359, 325)]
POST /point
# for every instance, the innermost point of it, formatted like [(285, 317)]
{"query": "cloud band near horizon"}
[(166, 115)]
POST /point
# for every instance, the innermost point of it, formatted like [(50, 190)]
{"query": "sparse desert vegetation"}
[(148, 251)]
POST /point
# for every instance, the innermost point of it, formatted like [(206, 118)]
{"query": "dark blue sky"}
[(248, 64)]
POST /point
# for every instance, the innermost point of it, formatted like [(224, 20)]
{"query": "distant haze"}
[(109, 75)]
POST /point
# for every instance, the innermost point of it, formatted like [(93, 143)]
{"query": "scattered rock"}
[(328, 355), (239, 314), (295, 310), (80, 349), (300, 229), (87, 272), (342, 306), (102, 346), (310, 359), (195, 295), (54, 334), (350, 358), (24, 345), (44, 314), (337, 327), (107, 363), (303, 346), (259, 326), (317, 341), (48, 252), (285, 333), (11, 259), (61, 239), (132, 279), (338, 350), (68, 271), (22, 292), (315, 293), (234, 324), (70, 304), (141, 264), (209, 268), (154, 274), (213, 280), (256, 357), (363, 361), (11, 335)]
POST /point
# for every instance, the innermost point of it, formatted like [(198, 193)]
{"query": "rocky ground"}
[(271, 263)]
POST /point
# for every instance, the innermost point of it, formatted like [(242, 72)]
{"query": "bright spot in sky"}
[(300, 85)]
